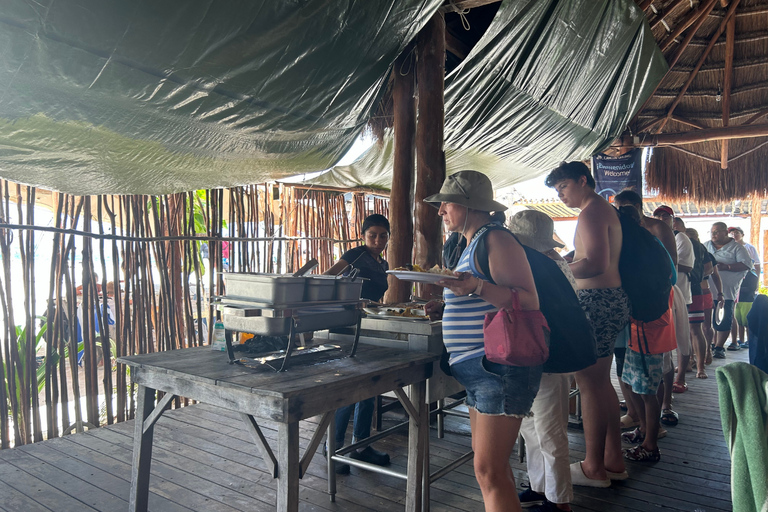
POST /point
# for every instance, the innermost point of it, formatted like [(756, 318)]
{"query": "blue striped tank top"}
[(463, 316)]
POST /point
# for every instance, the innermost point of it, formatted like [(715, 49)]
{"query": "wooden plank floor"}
[(203, 461)]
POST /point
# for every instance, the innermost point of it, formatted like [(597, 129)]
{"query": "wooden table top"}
[(300, 392)]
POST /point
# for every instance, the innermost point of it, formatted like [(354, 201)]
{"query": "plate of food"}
[(417, 274)]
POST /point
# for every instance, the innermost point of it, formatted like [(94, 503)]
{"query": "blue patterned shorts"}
[(643, 372)]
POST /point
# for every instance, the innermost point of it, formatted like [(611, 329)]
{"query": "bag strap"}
[(515, 301), (481, 251)]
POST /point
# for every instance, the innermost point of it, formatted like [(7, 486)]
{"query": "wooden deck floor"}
[(203, 461)]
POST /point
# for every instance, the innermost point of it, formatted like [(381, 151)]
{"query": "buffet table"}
[(286, 398)]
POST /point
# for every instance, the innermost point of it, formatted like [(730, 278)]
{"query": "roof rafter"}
[(730, 36), (717, 34), (698, 16)]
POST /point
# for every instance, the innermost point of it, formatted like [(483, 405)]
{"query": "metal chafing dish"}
[(278, 305)]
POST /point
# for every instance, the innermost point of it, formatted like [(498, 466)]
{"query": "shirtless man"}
[(596, 269), (642, 374)]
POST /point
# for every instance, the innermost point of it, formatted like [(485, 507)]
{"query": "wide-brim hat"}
[(534, 229), (468, 188)]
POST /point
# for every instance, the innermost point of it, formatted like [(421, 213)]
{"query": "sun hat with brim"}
[(468, 188), (534, 229)]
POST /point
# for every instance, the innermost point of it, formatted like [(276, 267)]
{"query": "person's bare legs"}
[(664, 393), (632, 411), (699, 345), (720, 337), (709, 335), (682, 367), (493, 439), (600, 415), (734, 332), (652, 423)]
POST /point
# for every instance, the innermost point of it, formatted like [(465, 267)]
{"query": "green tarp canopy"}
[(108, 97), (550, 81)]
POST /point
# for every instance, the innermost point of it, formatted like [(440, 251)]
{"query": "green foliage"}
[(21, 344)]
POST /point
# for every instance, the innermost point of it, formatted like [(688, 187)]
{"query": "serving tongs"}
[(308, 266)]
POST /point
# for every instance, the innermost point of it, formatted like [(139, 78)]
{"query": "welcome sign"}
[(615, 173)]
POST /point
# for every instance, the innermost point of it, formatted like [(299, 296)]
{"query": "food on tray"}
[(406, 312), (434, 270)]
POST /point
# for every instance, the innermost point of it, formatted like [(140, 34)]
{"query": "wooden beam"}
[(705, 135), (644, 4), (694, 124), (703, 58), (730, 37), (430, 158), (699, 14), (461, 5), (666, 12), (456, 46), (757, 116), (400, 249)]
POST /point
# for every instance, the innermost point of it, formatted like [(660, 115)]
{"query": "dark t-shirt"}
[(374, 271), (696, 274), (748, 287), (709, 257)]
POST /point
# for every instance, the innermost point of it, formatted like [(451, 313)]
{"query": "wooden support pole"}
[(401, 198), (696, 16), (666, 12), (430, 158), (730, 43)]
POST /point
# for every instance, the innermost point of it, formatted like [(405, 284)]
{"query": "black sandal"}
[(669, 417)]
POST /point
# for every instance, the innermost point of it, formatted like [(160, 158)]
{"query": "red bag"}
[(656, 337), (516, 337)]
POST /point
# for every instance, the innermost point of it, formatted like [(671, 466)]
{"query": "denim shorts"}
[(498, 389)]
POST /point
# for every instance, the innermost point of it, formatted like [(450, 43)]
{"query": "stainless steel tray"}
[(310, 319), (320, 288), (349, 289), (268, 288)]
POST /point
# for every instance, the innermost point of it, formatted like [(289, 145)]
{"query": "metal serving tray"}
[(349, 289), (320, 288), (267, 288)]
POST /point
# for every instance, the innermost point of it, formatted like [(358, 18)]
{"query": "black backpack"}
[(645, 267), (572, 345)]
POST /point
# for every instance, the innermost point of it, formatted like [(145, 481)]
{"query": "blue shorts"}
[(498, 389)]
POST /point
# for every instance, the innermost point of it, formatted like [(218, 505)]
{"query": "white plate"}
[(419, 277)]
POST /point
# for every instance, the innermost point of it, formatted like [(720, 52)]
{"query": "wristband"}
[(478, 288)]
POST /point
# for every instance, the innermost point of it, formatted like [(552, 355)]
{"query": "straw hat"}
[(468, 188), (534, 229)]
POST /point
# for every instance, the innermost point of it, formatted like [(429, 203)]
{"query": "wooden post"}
[(401, 198), (730, 43), (430, 158)]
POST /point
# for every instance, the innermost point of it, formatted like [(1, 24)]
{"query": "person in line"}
[(702, 267), (595, 266), (498, 396), (746, 293), (666, 236), (682, 290), (546, 434), (371, 266), (733, 263), (641, 375), (706, 292)]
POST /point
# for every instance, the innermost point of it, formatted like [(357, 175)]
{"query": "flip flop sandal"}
[(640, 454), (679, 388), (627, 422), (702, 375), (669, 417), (633, 436)]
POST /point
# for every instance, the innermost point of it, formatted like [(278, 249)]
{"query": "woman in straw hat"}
[(498, 396)]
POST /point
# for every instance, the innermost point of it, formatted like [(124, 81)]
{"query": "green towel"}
[(743, 389)]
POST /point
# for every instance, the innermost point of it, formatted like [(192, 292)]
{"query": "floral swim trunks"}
[(608, 311)]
